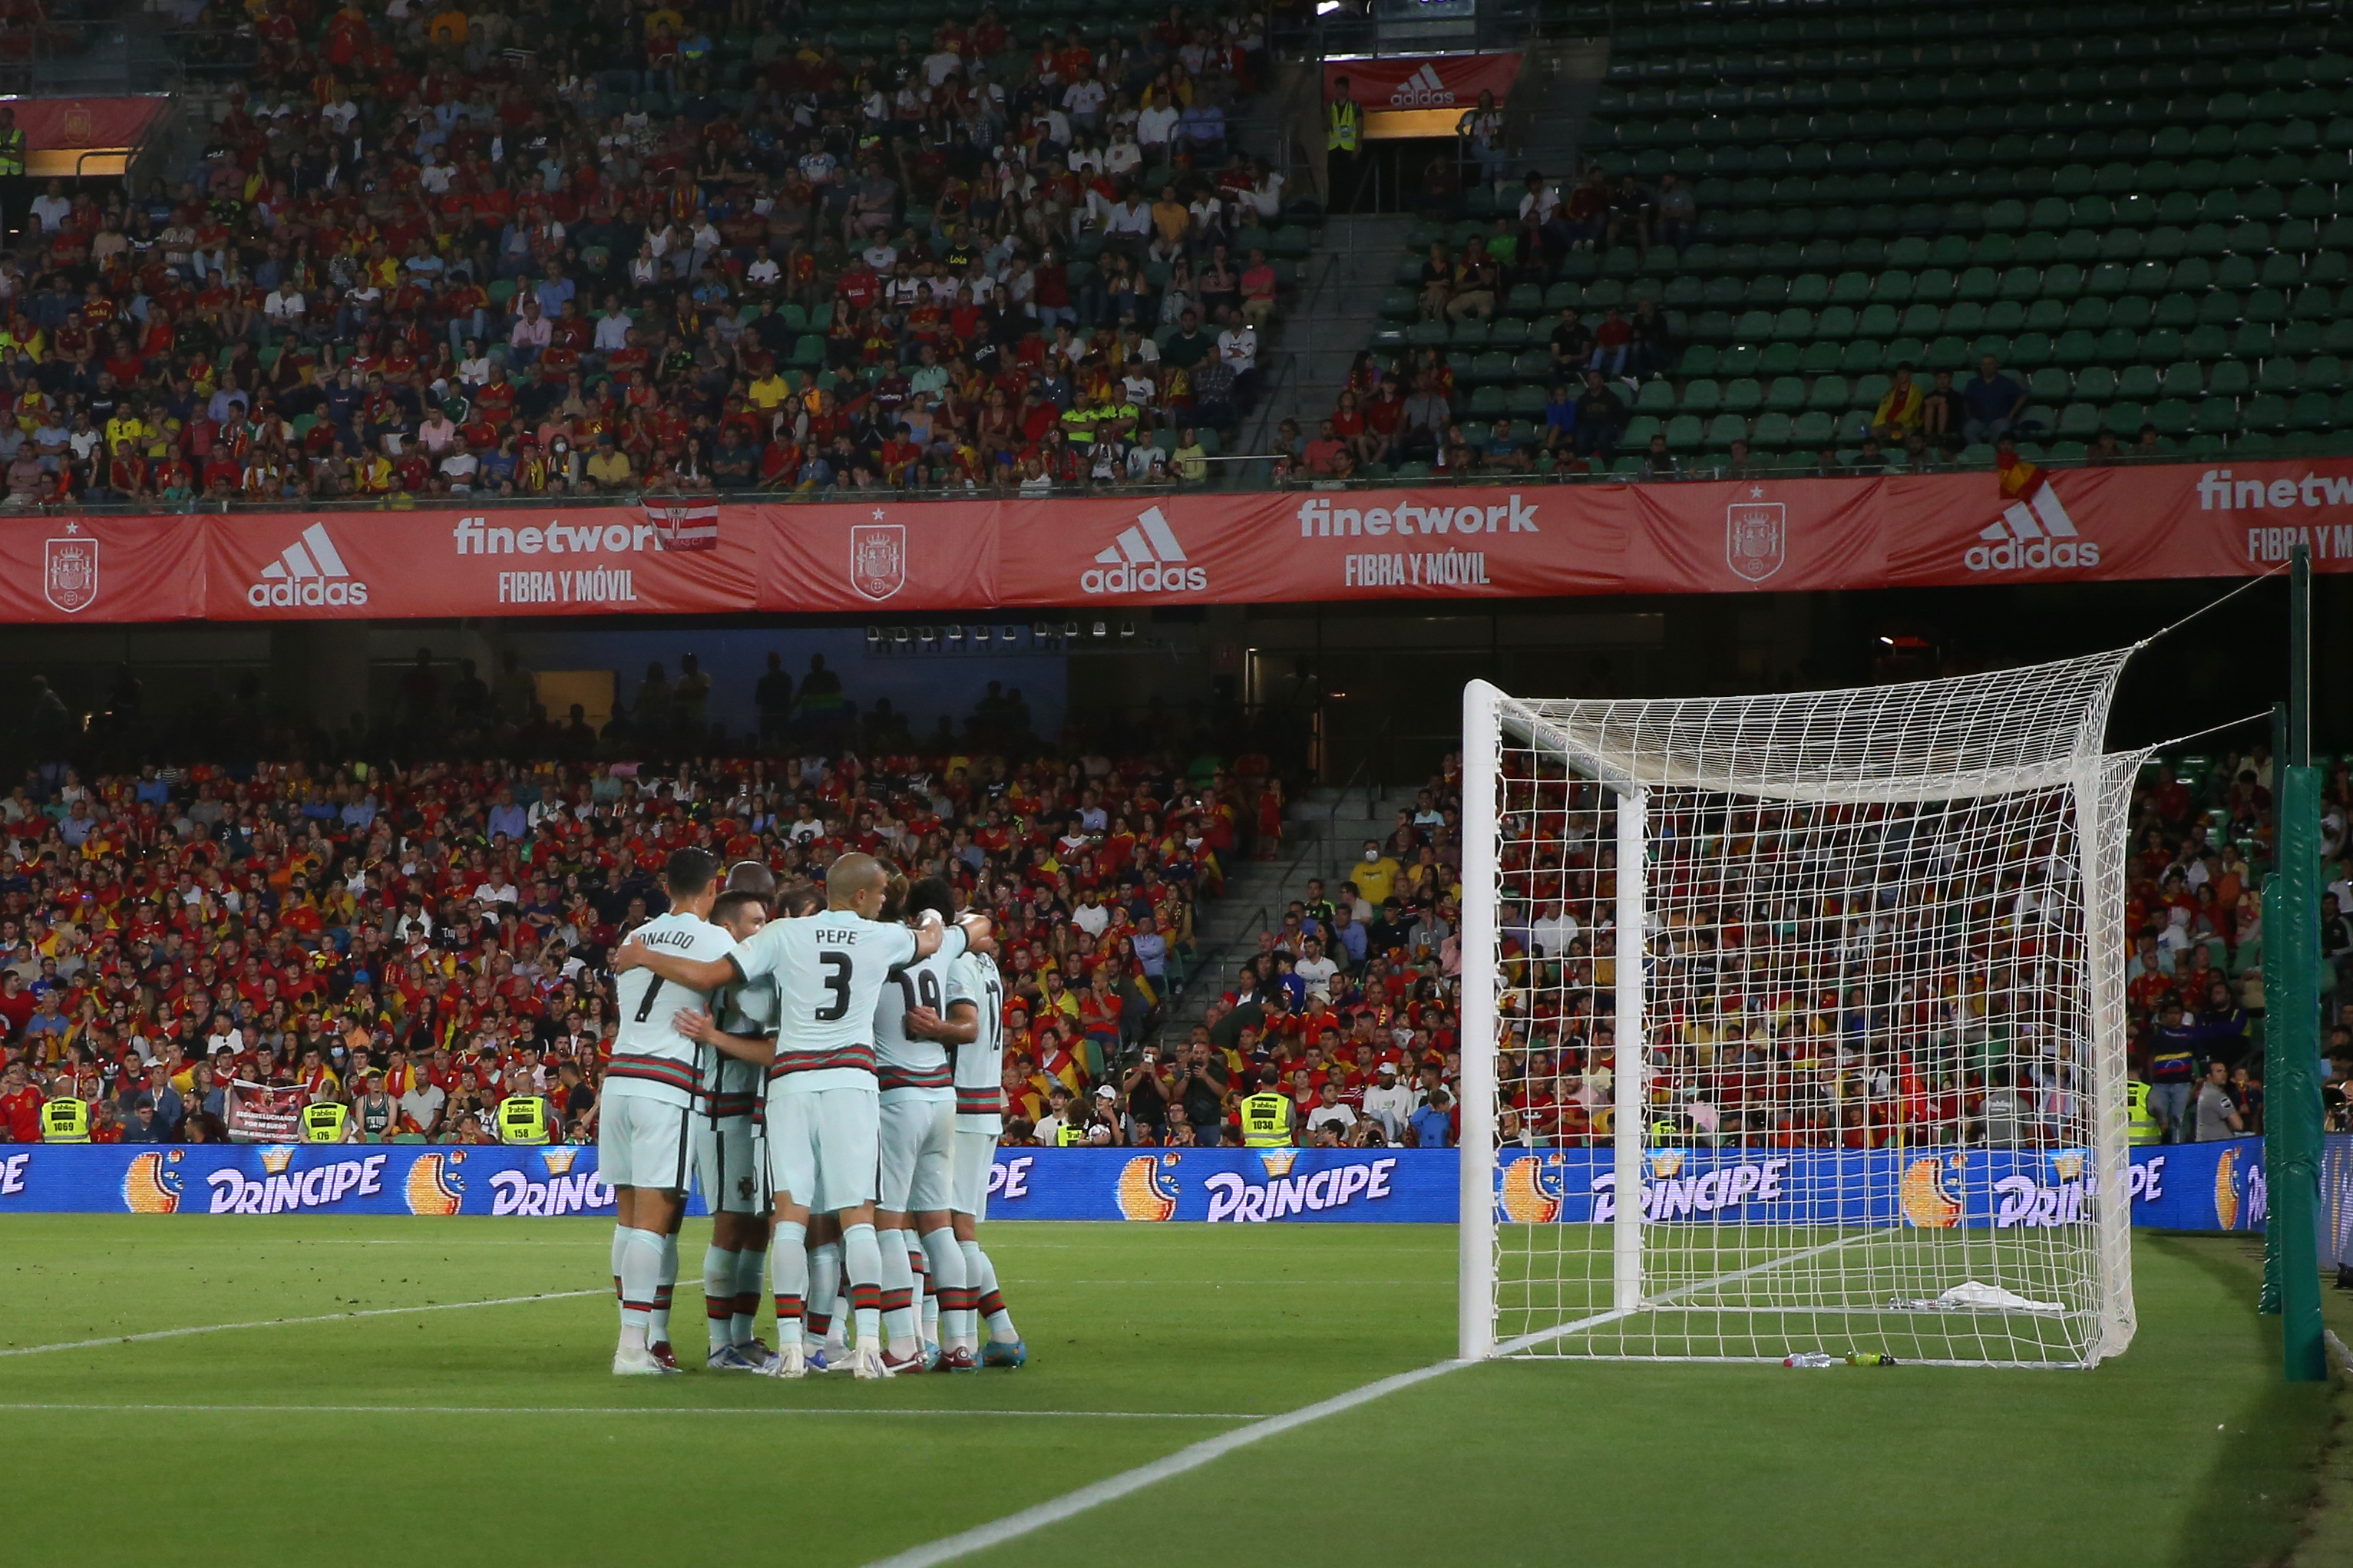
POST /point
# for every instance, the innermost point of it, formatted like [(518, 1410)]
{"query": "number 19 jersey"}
[(829, 970), (903, 1060), (650, 1059)]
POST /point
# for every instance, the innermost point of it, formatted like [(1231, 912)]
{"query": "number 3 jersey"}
[(903, 1060), (652, 1060), (829, 970)]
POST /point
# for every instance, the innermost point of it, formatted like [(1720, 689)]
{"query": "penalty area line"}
[(980, 1538), (291, 1323)]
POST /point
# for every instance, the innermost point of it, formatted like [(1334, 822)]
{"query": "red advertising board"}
[(1423, 81), (912, 555), (652, 560), (893, 554)]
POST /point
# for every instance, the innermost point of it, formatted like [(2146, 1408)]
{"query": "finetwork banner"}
[(1471, 541), (2195, 1186)]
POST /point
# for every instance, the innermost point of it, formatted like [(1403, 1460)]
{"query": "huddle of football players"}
[(826, 1065)]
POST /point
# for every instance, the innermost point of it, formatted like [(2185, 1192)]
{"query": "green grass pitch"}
[(493, 1434)]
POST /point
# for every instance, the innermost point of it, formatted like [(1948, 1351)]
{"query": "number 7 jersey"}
[(829, 971), (651, 1059)]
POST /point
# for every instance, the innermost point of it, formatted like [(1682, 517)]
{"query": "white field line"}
[(291, 1322), (634, 1410), (1054, 1511)]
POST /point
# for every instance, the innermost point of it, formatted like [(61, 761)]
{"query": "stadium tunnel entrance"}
[(1323, 691)]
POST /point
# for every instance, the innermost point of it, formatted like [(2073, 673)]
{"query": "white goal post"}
[(1832, 983)]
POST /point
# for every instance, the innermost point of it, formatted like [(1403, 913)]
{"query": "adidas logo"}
[(310, 571), (1146, 560), (1423, 90), (2034, 535)]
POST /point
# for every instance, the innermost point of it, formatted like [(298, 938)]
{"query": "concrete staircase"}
[(1333, 319), (1323, 830)]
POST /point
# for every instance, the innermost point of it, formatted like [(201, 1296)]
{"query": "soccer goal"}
[(1795, 1023)]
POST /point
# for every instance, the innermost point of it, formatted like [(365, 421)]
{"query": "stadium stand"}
[(441, 929), (2132, 210), (1354, 993), (557, 250)]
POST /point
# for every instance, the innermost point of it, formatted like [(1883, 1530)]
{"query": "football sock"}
[(823, 1290), (953, 1294), (862, 1262), (928, 1305), (719, 1267), (666, 1283), (641, 1252), (789, 1257), (982, 1275), (898, 1295), (620, 1241), (751, 1277)]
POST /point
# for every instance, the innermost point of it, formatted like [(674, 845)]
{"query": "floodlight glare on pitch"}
[(1848, 972)]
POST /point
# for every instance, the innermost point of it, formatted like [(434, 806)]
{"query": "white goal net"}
[(1795, 1023)]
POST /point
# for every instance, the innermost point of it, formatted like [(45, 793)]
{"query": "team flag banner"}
[(1135, 550), (2189, 1186)]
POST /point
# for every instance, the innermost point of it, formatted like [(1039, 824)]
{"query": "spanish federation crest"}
[(878, 558), (1756, 536), (69, 572)]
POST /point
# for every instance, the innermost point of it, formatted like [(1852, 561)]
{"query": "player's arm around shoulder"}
[(702, 1027), (695, 974)]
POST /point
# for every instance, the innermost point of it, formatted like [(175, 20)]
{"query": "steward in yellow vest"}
[(1266, 1119), (523, 1119), (1344, 120), (324, 1122), (65, 1120)]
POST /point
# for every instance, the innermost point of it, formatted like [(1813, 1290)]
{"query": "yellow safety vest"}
[(1665, 1132), (1079, 427), (523, 1119), (65, 1120), (1266, 1120), (323, 1122), (12, 151), (1070, 1137), (1342, 123), (2145, 1129)]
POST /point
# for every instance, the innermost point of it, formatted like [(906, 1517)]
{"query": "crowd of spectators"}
[(419, 941), (1753, 1039), (481, 247), (1348, 1006)]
